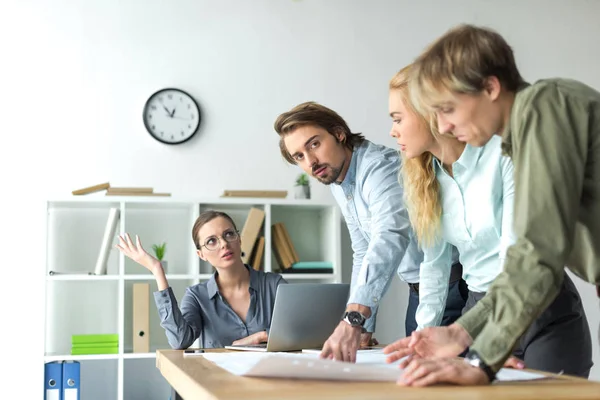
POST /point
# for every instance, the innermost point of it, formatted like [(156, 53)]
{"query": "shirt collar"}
[(468, 159), (213, 288), (350, 177), (507, 134)]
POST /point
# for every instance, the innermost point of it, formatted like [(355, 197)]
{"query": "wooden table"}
[(196, 378)]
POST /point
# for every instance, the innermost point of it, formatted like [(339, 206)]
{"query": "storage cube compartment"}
[(157, 336), (79, 308), (142, 380), (312, 231), (99, 379), (75, 232), (157, 223)]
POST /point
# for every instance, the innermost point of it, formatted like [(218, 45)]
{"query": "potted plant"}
[(302, 187), (159, 252)]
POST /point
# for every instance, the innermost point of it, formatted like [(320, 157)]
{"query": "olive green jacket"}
[(553, 138)]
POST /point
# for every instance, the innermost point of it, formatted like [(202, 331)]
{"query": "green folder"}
[(82, 339), (94, 350), (96, 345)]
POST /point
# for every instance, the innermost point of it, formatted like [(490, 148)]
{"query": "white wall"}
[(75, 75)]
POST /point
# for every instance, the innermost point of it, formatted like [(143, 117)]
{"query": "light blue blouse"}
[(477, 212)]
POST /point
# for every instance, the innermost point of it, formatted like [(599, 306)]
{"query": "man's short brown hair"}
[(460, 62), (311, 113)]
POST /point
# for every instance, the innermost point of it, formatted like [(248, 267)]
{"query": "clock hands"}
[(171, 114)]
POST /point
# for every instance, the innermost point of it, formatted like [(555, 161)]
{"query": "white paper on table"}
[(370, 366), (305, 366), (514, 375)]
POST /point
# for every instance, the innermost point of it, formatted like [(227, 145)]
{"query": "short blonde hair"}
[(417, 175), (459, 62)]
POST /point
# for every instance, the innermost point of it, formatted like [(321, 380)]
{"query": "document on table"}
[(370, 366)]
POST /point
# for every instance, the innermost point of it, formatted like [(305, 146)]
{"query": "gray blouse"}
[(205, 313)]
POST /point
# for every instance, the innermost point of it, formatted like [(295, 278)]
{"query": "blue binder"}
[(53, 373), (71, 380)]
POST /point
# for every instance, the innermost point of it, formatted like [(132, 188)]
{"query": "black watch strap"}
[(473, 358)]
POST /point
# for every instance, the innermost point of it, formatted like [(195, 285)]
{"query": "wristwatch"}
[(354, 319), (473, 359)]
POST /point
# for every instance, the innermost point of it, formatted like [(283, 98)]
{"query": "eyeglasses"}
[(213, 242)]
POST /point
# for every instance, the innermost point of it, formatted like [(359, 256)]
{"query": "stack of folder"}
[(94, 344), (61, 380)]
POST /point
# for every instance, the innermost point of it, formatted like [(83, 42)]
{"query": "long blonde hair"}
[(417, 175)]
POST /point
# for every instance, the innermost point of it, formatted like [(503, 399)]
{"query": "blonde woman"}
[(461, 196)]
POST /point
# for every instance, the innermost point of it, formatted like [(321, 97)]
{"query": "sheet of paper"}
[(305, 366), (370, 366), (514, 375)]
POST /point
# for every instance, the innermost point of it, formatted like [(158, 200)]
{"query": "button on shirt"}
[(477, 210), (205, 313), (370, 198)]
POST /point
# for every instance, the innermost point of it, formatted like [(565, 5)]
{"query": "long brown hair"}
[(417, 175)]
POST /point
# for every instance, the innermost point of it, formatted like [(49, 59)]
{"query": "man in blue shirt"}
[(363, 177)]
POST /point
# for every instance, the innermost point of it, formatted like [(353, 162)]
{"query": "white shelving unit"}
[(80, 303)]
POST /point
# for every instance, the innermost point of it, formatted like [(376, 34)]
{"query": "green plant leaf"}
[(302, 180), (159, 250)]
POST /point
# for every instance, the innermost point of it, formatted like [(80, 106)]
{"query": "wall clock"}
[(172, 116)]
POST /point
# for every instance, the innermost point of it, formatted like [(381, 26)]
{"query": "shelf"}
[(169, 277), (291, 277), (139, 355), (87, 357), (145, 277), (80, 303), (99, 200), (84, 357), (81, 277)]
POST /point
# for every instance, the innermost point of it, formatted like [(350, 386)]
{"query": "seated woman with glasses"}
[(233, 307)]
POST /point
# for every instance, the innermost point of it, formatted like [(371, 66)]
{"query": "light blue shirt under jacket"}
[(477, 213), (383, 242)]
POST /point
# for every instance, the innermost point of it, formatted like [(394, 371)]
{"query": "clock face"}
[(171, 116)]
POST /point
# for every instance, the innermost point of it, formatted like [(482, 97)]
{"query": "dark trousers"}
[(457, 296), (559, 339), (175, 395)]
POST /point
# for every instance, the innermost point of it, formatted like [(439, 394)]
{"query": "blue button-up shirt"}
[(370, 198), (477, 212), (205, 313)]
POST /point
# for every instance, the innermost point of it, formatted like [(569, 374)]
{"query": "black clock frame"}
[(153, 95)]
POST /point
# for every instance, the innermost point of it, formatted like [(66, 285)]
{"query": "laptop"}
[(304, 316)]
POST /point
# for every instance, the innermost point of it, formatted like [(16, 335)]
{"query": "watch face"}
[(355, 318), (171, 116)]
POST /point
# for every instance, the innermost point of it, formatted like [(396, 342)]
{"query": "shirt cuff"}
[(362, 296), (474, 320), (371, 322), (164, 297)]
